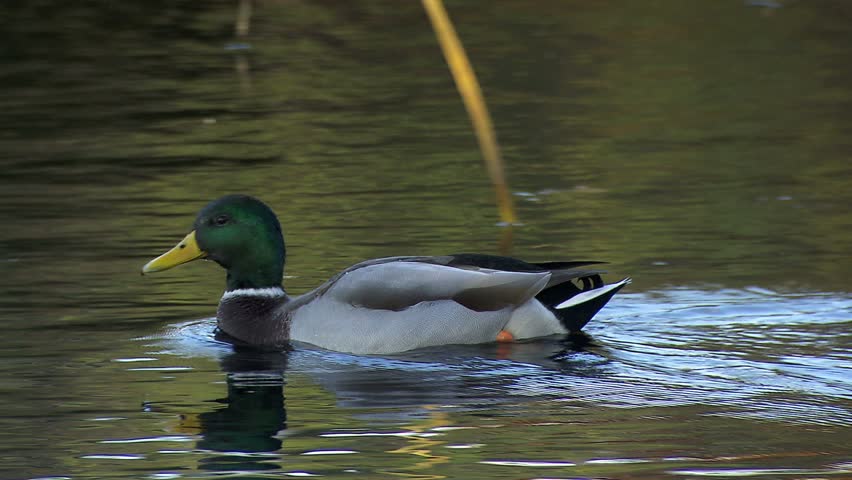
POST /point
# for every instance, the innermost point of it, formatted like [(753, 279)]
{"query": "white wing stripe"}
[(586, 296)]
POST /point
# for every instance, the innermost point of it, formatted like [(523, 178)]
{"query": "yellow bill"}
[(185, 251)]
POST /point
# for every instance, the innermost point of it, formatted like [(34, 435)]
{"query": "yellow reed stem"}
[(243, 23), (471, 95)]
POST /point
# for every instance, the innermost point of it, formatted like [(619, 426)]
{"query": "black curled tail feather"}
[(574, 317)]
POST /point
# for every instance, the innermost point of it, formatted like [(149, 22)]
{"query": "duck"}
[(384, 305)]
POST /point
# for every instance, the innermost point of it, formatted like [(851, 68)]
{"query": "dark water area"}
[(702, 148)]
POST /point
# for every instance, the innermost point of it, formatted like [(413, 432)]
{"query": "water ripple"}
[(750, 353)]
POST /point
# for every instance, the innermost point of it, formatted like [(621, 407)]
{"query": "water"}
[(700, 148)]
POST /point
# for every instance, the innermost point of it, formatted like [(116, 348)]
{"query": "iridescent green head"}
[(238, 232)]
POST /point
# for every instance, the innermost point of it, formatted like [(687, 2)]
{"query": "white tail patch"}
[(583, 297), (269, 292)]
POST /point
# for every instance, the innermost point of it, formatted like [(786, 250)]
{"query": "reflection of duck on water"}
[(251, 417), (384, 305), (243, 431)]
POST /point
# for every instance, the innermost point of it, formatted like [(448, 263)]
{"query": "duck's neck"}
[(259, 276), (259, 264)]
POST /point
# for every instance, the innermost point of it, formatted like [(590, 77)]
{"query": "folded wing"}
[(399, 283)]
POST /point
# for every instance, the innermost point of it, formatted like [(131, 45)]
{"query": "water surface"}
[(702, 149)]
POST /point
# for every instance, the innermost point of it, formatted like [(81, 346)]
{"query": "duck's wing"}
[(510, 264), (561, 272), (400, 282)]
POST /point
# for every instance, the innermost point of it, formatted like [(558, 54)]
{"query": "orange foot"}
[(505, 337)]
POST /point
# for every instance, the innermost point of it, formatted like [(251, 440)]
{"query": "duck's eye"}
[(221, 220)]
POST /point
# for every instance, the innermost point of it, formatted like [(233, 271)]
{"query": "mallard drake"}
[(385, 305)]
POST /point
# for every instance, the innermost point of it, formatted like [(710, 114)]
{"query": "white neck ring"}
[(268, 292)]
